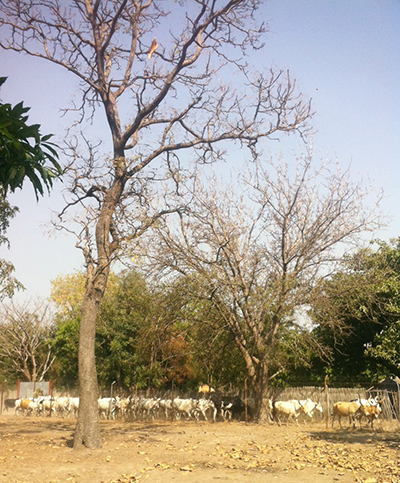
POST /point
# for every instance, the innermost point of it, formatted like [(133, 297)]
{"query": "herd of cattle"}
[(213, 407)]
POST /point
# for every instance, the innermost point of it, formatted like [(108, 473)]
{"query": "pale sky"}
[(345, 55)]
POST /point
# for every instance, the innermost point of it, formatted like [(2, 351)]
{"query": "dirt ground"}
[(39, 450)]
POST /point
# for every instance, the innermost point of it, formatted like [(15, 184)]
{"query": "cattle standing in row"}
[(148, 408), (371, 413), (73, 406), (121, 407), (309, 407), (166, 407), (357, 409), (47, 405), (61, 406), (205, 406)]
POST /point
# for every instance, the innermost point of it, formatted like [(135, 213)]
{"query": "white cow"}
[(27, 407), (166, 406), (309, 407), (106, 406), (73, 406), (47, 405), (184, 406), (290, 409), (148, 407), (204, 405), (61, 406), (121, 407)]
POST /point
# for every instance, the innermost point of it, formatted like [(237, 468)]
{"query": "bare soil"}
[(39, 450)]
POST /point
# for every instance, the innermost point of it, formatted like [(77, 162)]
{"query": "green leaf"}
[(24, 152)]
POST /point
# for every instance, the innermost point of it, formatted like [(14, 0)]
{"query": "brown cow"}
[(341, 409), (26, 406), (371, 412)]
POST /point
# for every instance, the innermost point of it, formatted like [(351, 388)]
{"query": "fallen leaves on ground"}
[(370, 464)]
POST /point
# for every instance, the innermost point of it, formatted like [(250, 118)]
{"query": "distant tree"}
[(194, 326), (125, 309), (26, 346), (258, 248), (66, 295), (160, 100), (142, 336), (164, 344), (357, 313), (8, 283), (146, 336), (216, 359)]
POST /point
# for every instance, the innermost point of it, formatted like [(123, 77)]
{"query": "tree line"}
[(167, 336)]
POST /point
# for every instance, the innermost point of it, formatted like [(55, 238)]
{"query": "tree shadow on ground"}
[(358, 436)]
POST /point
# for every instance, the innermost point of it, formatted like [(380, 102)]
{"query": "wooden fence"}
[(390, 404)]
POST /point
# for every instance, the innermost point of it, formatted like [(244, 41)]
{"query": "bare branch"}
[(259, 246)]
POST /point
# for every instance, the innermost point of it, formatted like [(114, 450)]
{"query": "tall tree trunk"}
[(260, 389), (87, 431)]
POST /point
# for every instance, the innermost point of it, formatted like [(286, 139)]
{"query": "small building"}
[(389, 389), (390, 383)]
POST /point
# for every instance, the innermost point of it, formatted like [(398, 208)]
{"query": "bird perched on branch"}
[(153, 47)]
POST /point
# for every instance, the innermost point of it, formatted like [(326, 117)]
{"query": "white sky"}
[(344, 54)]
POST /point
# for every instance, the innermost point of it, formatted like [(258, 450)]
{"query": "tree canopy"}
[(146, 337), (258, 246), (357, 312), (24, 152)]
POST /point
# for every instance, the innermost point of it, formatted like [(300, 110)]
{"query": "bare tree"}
[(25, 340), (159, 77), (258, 248)]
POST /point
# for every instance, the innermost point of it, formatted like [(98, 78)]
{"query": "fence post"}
[(2, 392), (326, 402), (110, 403), (245, 399)]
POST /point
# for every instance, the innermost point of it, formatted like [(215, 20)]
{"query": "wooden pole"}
[(51, 398), (326, 402), (2, 392), (111, 397), (245, 399)]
